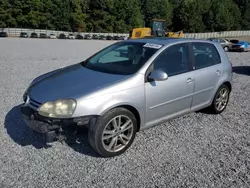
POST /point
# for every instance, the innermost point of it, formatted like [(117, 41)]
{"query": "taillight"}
[(231, 67)]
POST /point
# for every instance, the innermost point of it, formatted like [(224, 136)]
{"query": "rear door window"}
[(205, 55)]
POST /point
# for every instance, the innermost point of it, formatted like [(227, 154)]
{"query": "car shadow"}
[(21, 134), (78, 141), (205, 111), (244, 70)]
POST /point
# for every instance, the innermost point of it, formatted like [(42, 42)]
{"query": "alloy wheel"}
[(222, 99), (117, 133)]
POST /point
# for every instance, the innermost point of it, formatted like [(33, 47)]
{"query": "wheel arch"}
[(228, 84), (131, 109)]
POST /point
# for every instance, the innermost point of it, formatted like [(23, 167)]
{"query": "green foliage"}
[(188, 15), (226, 15), (6, 18), (123, 15), (155, 9), (244, 6)]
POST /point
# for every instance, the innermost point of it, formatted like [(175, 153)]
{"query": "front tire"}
[(220, 100), (113, 133)]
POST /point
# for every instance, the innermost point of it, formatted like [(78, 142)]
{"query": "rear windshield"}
[(122, 58)]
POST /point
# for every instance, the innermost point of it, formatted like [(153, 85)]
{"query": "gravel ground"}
[(197, 150)]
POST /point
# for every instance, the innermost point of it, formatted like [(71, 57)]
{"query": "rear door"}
[(207, 72)]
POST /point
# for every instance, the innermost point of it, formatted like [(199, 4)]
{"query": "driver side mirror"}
[(158, 75)]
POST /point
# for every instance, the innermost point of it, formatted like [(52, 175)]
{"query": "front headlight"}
[(63, 108), (242, 46)]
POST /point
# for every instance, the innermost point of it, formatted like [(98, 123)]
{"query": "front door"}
[(171, 97)]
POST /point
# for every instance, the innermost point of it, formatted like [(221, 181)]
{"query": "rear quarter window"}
[(205, 55)]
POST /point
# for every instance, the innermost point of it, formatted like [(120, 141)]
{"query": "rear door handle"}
[(218, 72), (189, 80)]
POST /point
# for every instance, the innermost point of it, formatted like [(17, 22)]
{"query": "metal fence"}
[(217, 34), (15, 32)]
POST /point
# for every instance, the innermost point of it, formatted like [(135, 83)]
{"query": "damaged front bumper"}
[(52, 128)]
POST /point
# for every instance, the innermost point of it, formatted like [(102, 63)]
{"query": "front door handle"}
[(189, 80)]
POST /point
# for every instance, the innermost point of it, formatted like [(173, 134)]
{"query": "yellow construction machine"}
[(157, 28)]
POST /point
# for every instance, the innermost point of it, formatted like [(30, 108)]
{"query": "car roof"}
[(166, 40)]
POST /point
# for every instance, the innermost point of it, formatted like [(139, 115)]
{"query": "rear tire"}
[(113, 133), (220, 100)]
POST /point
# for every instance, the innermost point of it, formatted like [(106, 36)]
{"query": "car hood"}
[(70, 82)]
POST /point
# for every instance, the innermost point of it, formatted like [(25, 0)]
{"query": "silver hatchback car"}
[(127, 87)]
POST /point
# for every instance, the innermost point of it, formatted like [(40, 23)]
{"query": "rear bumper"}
[(52, 128)]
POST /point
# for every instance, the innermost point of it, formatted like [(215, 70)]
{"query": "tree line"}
[(123, 15)]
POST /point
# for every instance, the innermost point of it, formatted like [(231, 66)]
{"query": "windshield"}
[(122, 58)]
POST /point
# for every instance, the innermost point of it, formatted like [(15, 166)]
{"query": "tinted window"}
[(205, 55), (174, 60), (122, 58)]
